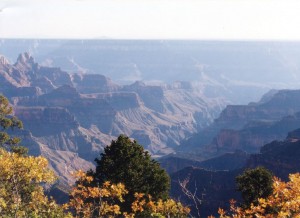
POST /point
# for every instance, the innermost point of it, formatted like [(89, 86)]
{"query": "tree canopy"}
[(126, 161), (105, 200), (21, 193), (282, 203), (7, 122), (254, 184)]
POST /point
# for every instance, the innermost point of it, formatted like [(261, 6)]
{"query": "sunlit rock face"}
[(71, 117), (248, 127)]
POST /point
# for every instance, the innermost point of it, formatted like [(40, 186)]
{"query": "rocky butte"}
[(69, 118)]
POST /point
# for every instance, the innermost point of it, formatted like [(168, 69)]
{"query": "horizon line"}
[(151, 39)]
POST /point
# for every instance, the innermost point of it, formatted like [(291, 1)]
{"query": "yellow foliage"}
[(144, 205), (21, 194), (283, 203), (89, 201)]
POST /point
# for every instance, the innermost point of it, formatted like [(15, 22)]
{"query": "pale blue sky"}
[(151, 19)]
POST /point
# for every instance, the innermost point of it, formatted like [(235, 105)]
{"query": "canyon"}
[(69, 118), (205, 120)]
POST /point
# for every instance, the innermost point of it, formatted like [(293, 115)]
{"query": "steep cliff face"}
[(173, 164), (228, 161), (93, 83), (281, 157), (248, 127), (78, 114), (181, 109), (43, 121), (213, 188), (279, 104), (55, 134), (3, 62), (64, 163), (122, 113), (63, 160), (180, 99), (26, 73), (216, 188), (254, 135), (59, 130), (152, 96)]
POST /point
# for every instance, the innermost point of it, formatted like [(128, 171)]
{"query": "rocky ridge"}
[(71, 117), (248, 127), (216, 187)]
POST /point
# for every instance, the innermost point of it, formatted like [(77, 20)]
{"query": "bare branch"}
[(193, 196)]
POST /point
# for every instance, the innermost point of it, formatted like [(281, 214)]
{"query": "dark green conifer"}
[(126, 161), (254, 184)]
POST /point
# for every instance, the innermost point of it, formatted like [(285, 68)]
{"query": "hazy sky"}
[(151, 19)]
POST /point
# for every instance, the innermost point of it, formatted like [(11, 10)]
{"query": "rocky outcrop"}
[(43, 121), (173, 164), (4, 61), (78, 114), (56, 76), (25, 62), (216, 188), (152, 96), (240, 71), (282, 103), (248, 127), (213, 188), (125, 112), (281, 157), (94, 83), (120, 100), (229, 161), (64, 163), (254, 135), (27, 73)]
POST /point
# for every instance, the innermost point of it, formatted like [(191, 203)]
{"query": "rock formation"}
[(215, 188), (71, 117), (249, 127)]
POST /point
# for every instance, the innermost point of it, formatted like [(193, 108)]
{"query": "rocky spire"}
[(25, 58), (3, 60)]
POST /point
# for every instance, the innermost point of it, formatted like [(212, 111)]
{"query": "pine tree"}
[(7, 122), (254, 184), (125, 161)]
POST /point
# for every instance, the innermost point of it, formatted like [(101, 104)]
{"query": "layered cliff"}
[(216, 187), (281, 157), (75, 115), (228, 161), (248, 127)]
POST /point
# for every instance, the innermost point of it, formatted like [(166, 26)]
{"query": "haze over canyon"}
[(205, 109)]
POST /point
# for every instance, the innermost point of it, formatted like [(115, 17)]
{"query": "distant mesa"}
[(65, 91), (94, 83)]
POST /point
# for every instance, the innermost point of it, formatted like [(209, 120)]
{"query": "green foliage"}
[(8, 121), (254, 184), (125, 161)]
